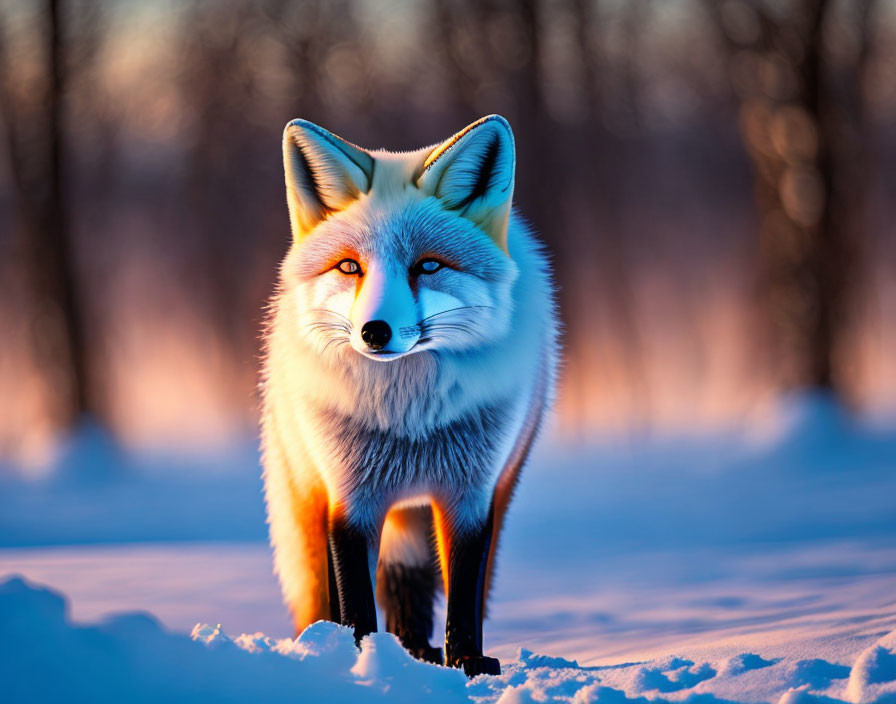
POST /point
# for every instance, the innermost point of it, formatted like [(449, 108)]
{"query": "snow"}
[(130, 657), (750, 566), (44, 656)]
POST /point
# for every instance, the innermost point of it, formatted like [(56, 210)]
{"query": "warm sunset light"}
[(491, 351)]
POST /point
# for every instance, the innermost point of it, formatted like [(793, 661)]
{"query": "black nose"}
[(376, 334)]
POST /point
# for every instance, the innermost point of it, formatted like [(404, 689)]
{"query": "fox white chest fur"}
[(411, 354)]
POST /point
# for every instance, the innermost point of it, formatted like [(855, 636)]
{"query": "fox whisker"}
[(451, 323), (324, 325), (454, 310), (332, 329), (338, 316), (334, 341)]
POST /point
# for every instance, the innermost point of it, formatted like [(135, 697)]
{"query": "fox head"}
[(398, 253)]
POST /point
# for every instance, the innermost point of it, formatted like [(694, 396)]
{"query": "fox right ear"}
[(324, 174), (473, 173)]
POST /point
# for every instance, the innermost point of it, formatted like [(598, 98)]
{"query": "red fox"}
[(411, 354)]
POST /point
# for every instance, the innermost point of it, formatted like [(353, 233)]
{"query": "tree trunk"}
[(36, 149), (56, 246), (802, 153)]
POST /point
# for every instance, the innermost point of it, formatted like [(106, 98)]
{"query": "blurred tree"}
[(35, 135), (800, 116), (221, 158), (232, 50), (307, 31), (151, 142), (502, 56), (599, 186)]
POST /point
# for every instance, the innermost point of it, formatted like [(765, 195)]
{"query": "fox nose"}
[(376, 334)]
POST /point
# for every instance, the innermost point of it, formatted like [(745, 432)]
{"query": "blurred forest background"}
[(715, 180)]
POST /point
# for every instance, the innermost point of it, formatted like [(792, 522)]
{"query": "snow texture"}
[(131, 657), (757, 566)]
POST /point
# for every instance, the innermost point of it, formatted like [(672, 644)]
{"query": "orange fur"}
[(302, 535), (406, 539), (311, 513), (510, 475), (443, 540), (402, 522)]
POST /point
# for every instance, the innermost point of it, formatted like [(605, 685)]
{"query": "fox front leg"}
[(467, 559), (350, 548)]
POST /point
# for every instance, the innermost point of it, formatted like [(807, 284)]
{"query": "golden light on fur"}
[(492, 213), (424, 434)]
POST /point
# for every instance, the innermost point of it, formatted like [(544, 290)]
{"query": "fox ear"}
[(324, 174), (473, 173)]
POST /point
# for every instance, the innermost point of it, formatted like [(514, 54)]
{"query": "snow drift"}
[(44, 656)]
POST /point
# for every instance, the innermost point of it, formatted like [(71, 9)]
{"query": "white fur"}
[(385, 295), (482, 332)]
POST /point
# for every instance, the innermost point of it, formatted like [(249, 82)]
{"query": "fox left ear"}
[(324, 174), (473, 173)]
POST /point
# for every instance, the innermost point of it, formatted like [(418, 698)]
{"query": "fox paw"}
[(473, 665), (428, 654)]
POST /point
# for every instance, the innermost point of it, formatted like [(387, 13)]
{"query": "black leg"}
[(407, 594), (349, 549), (467, 560), (335, 614)]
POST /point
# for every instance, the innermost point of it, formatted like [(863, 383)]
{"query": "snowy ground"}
[(757, 567)]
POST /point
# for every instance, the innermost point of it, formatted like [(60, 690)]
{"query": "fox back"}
[(411, 356)]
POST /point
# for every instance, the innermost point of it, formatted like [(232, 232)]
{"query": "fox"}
[(410, 359)]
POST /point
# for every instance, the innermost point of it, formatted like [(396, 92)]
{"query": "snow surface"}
[(131, 657), (757, 566)]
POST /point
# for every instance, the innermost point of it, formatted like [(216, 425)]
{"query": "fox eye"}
[(427, 266), (349, 266)]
